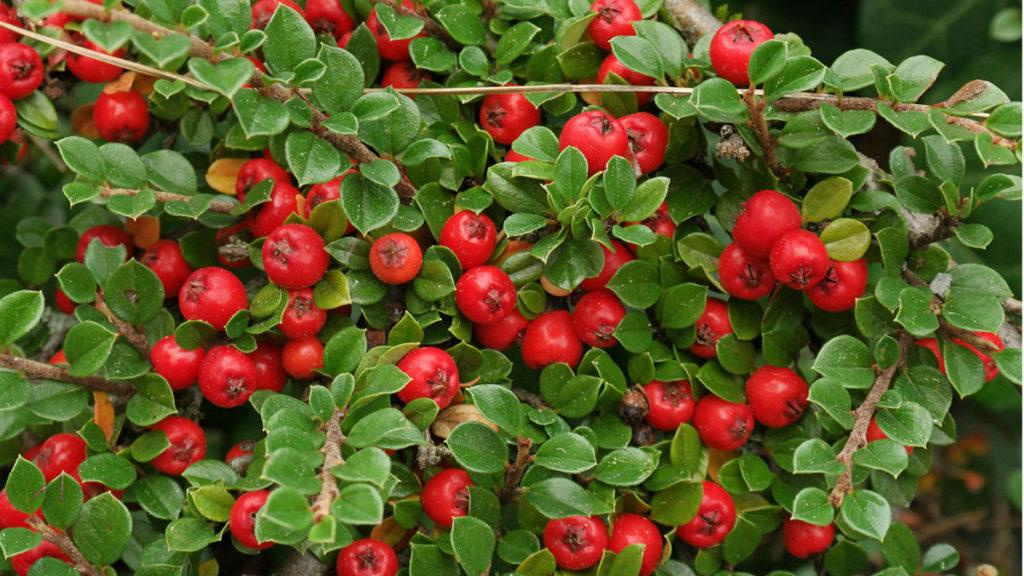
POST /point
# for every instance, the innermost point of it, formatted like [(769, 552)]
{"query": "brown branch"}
[(691, 19), (333, 440), (431, 27), (862, 419), (133, 335), (530, 398), (759, 124), (86, 9), (1013, 306), (514, 471), (39, 371), (164, 197), (429, 454), (62, 541)]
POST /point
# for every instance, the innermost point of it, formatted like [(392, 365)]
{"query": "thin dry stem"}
[(133, 335), (332, 459), (62, 541), (514, 471), (39, 371), (162, 197)]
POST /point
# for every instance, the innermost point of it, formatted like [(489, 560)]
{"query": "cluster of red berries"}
[(21, 73), (640, 137), (987, 362)]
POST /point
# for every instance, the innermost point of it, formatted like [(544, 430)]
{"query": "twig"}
[(759, 124), (87, 9), (692, 19), (164, 197), (302, 564), (133, 335), (62, 541), (333, 440), (40, 371), (514, 471), (429, 25), (1013, 306), (530, 398)]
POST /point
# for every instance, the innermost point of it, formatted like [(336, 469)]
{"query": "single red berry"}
[(243, 519), (256, 170), (89, 69), (506, 116), (933, 345), (212, 295), (875, 433), (57, 358), (61, 453), (648, 140), (263, 11), (9, 15), (576, 542), (110, 236), (302, 317), (630, 529), (513, 156), (722, 425), (613, 260), (294, 256), (393, 50), (485, 294), (711, 326), (22, 563), (121, 116), (744, 276), (188, 445), (395, 258), (239, 452), (165, 259), (227, 377), (367, 557), (550, 338), (715, 518), (403, 74), (270, 373), (471, 236), (446, 496), (762, 220), (11, 517), (328, 17), (991, 368), (21, 70), (799, 259), (178, 366), (272, 214), (598, 135), (433, 374), (803, 539), (596, 316), (778, 396), (64, 304), (669, 404), (843, 283), (612, 65), (660, 222), (326, 192), (614, 18), (236, 236), (731, 47), (501, 335), (8, 119), (302, 357)]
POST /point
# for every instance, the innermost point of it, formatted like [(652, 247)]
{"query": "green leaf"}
[(866, 513), (827, 199), (716, 100), (915, 313), (885, 455), (678, 504), (171, 171), (260, 116), (834, 399), (846, 360), (387, 428), (963, 368), (680, 306), (801, 73), (941, 558), (639, 55), (473, 543), (649, 196), (913, 77), (212, 501), (134, 293), (103, 529), (499, 405), (160, 496), (478, 448), (62, 501), (561, 497), (463, 23), (625, 467), (854, 68), (87, 347), (227, 76), (311, 159), (814, 456), (849, 122), (566, 452), (636, 283), (20, 312), (285, 517), (514, 42), (290, 40), (359, 504), (811, 505), (83, 157), (368, 205), (767, 61), (14, 541), (25, 485), (111, 470)]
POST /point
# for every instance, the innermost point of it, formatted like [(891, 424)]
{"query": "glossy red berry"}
[(712, 325), (722, 425), (506, 116), (212, 295), (256, 170), (21, 70), (8, 119), (669, 404), (598, 135), (89, 69), (799, 259), (121, 116), (612, 65), (472, 237), (803, 539), (613, 260), (367, 557), (57, 358), (395, 258), (648, 140), (874, 433), (263, 11), (933, 345), (433, 374), (660, 222), (110, 236), (64, 304), (9, 15), (513, 156), (501, 335), (743, 275), (61, 453), (393, 50), (576, 542), (403, 74), (485, 294), (326, 192), (22, 563), (328, 17), (11, 517), (732, 45), (302, 357), (294, 256), (272, 214), (165, 259), (551, 338), (178, 366), (614, 18), (188, 445), (991, 368), (715, 518), (302, 317), (270, 373), (762, 220), (227, 377), (446, 496), (596, 316), (630, 529), (777, 395), (843, 283), (243, 519)]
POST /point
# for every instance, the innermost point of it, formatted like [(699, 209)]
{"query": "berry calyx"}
[(446, 496), (551, 338), (803, 539), (188, 445), (596, 316), (732, 46), (242, 520), (576, 542), (302, 317), (744, 276), (212, 295), (121, 116), (712, 325), (613, 260), (506, 116), (227, 377), (395, 258), (504, 333), (612, 65), (165, 259), (294, 256), (598, 135), (485, 294), (630, 529), (715, 518), (328, 17), (302, 357), (178, 366), (669, 404), (21, 70), (614, 18), (256, 170), (471, 236), (799, 259), (778, 396), (762, 220), (648, 140), (721, 424), (433, 374), (266, 360), (843, 283), (367, 557), (110, 236)]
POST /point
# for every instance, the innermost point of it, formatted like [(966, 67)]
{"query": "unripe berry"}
[(550, 338), (715, 518), (762, 220), (722, 425), (778, 396), (446, 496), (596, 316), (799, 259), (732, 46), (576, 542), (433, 374)]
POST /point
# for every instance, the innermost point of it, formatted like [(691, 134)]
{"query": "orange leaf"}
[(82, 124), (145, 231), (123, 83), (103, 413), (389, 531), (221, 175)]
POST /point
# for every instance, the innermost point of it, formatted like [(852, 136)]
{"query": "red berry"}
[(433, 374), (714, 520), (614, 18), (933, 345), (629, 529), (991, 368), (109, 236), (550, 338), (302, 317), (241, 451), (506, 116), (875, 433), (22, 563), (712, 325), (612, 262), (778, 396), (799, 259), (325, 192), (61, 453), (178, 366), (598, 135), (9, 15), (212, 295), (660, 222), (64, 304), (513, 156), (612, 65), (577, 542), (763, 219), (596, 316), (89, 69), (393, 50), (255, 171), (502, 334), (401, 75), (243, 519), (121, 116), (732, 45), (803, 539), (395, 258), (227, 377), (367, 557), (485, 294), (8, 119), (21, 70), (669, 404), (266, 359), (57, 358), (188, 445), (273, 213), (844, 282), (302, 357), (743, 275), (722, 425), (328, 17), (294, 256), (263, 10), (446, 496), (471, 236), (11, 517), (648, 140), (164, 258)]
